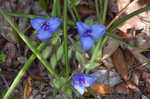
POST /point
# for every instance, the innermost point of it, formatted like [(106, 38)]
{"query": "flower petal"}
[(79, 89), (44, 35), (98, 31), (82, 28), (54, 24), (87, 43), (36, 22), (75, 79), (89, 80)]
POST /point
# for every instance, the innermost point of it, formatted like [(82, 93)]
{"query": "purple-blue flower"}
[(82, 80), (89, 34), (45, 27)]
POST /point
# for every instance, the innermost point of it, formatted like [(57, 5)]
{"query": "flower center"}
[(88, 32), (82, 80), (44, 26)]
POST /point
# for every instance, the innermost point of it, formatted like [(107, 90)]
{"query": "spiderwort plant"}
[(89, 34), (45, 27), (80, 81)]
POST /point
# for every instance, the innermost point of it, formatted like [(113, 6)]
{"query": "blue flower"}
[(82, 80), (45, 27), (89, 34)]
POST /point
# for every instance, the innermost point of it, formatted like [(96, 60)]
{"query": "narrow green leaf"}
[(75, 2), (59, 82), (80, 58), (60, 52), (91, 66), (122, 42), (53, 60), (122, 20), (46, 52), (70, 53), (3, 56), (28, 43), (44, 4), (89, 22)]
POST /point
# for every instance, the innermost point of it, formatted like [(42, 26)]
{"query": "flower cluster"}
[(89, 34), (44, 27), (82, 80)]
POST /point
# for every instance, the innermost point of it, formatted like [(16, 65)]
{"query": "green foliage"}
[(46, 52), (80, 57), (59, 83), (69, 55), (91, 66), (0, 70), (54, 40), (44, 4), (3, 56), (60, 52), (89, 22), (53, 60), (75, 2), (2, 93)]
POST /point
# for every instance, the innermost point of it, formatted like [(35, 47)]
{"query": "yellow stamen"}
[(41, 25), (85, 81), (44, 26)]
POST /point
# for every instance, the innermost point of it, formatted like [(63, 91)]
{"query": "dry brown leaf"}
[(136, 75), (137, 21), (28, 88), (11, 51), (148, 95), (130, 59), (142, 40), (124, 35), (110, 48), (141, 58), (146, 77), (34, 77), (122, 88), (101, 89), (85, 10), (133, 86), (120, 64)]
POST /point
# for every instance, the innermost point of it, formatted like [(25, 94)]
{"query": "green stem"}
[(54, 93), (23, 15), (71, 12), (101, 12), (92, 92), (22, 71), (65, 39), (54, 8), (58, 8), (97, 10), (28, 43), (74, 9), (105, 10), (101, 21)]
